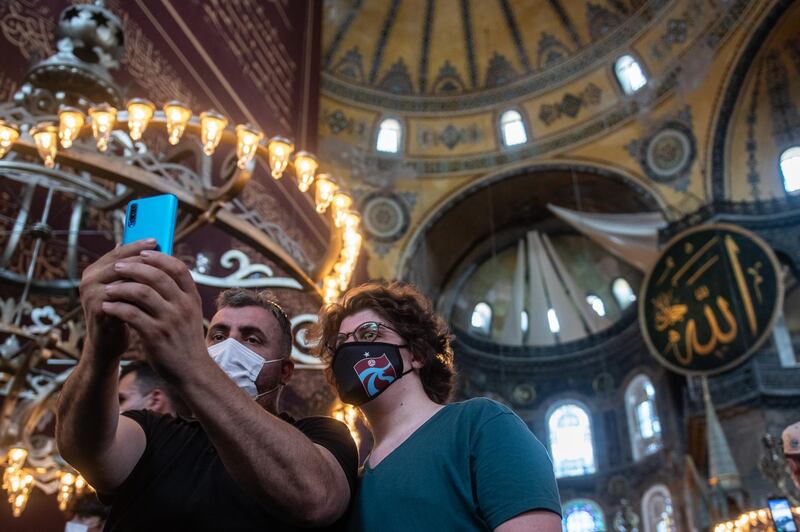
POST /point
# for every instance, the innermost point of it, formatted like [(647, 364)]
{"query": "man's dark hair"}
[(88, 505), (411, 315), (147, 380), (245, 297)]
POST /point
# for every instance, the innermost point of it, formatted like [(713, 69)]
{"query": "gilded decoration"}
[(570, 104), (693, 319), (455, 55), (385, 216)]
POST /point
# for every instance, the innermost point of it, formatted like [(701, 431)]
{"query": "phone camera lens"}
[(132, 216)]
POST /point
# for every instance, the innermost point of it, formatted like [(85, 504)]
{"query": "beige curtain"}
[(631, 237)]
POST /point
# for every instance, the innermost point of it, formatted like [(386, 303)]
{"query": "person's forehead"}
[(354, 320), (241, 317)]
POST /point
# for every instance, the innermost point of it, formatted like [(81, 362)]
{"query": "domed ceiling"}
[(436, 48)]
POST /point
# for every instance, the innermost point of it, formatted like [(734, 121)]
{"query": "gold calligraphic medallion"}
[(711, 299)]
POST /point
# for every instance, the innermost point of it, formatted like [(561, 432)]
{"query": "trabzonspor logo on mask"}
[(361, 377), (375, 374)]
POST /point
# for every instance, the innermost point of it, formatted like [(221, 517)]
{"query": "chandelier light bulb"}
[(330, 289), (9, 134), (103, 119), (18, 484), (70, 123), (16, 457), (67, 487), (343, 273), (323, 195), (45, 135), (140, 111), (341, 204), (351, 220), (280, 149), (212, 125), (247, 139), (305, 166), (351, 249), (178, 116)]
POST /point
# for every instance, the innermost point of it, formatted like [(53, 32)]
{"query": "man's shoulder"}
[(154, 422), (316, 424)]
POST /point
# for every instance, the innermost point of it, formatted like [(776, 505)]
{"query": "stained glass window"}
[(643, 423), (657, 513), (583, 515), (790, 169), (597, 304), (552, 321), (623, 292), (482, 318), (630, 74), (513, 128), (389, 134), (571, 445)]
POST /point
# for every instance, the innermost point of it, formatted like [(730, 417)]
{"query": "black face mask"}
[(363, 370)]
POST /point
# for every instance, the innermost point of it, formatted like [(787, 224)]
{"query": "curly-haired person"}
[(472, 465)]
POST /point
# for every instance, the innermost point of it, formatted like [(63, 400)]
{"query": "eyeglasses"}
[(368, 331)]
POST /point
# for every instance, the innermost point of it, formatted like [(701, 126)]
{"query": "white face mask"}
[(241, 364), (75, 527)]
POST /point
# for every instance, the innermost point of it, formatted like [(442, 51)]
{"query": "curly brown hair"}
[(411, 315)]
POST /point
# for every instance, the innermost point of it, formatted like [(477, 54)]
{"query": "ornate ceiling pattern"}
[(430, 65), (448, 47)]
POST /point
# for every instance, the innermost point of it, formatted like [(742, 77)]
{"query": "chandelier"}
[(68, 142), (758, 520)]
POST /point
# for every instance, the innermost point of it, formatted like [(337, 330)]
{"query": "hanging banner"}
[(710, 300)]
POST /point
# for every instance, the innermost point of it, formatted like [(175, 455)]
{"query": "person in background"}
[(142, 388), (472, 465), (791, 450), (88, 514)]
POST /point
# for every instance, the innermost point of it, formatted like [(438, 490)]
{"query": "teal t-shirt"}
[(472, 466)]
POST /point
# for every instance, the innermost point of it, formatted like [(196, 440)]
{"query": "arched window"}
[(657, 514), (481, 320), (571, 441), (790, 169), (623, 292), (552, 321), (643, 424), (597, 304), (389, 135), (629, 73), (523, 319), (513, 128), (583, 515)]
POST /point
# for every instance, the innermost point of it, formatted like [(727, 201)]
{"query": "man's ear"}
[(287, 369), (158, 402)]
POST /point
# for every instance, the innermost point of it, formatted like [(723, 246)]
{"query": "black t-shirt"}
[(180, 482)]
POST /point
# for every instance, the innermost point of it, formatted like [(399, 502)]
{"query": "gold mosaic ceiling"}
[(435, 48)]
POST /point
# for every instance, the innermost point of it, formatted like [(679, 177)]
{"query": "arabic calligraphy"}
[(710, 299)]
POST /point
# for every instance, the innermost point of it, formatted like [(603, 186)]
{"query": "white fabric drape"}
[(590, 317), (538, 328), (631, 237), (512, 328), (570, 325)]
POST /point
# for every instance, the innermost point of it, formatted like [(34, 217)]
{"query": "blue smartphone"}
[(782, 516), (152, 217)]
